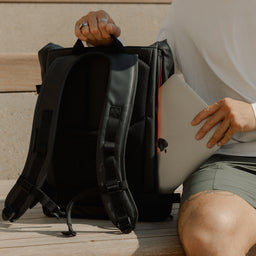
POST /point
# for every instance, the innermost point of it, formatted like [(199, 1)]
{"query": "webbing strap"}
[(47, 202)]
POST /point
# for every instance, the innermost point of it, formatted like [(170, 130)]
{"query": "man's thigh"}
[(226, 173)]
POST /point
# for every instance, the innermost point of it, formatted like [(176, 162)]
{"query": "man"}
[(214, 47)]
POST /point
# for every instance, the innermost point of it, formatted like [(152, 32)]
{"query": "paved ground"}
[(16, 116)]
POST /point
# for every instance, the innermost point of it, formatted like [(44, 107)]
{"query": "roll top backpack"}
[(94, 141)]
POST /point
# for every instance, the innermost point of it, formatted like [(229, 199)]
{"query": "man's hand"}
[(96, 28), (233, 115)]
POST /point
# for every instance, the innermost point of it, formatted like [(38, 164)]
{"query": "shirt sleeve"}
[(254, 108), (246, 136)]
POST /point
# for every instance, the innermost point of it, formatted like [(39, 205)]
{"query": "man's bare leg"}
[(217, 223)]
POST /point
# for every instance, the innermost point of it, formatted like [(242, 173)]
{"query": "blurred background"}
[(25, 27)]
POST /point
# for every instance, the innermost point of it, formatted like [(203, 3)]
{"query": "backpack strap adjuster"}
[(109, 146), (114, 186), (38, 193)]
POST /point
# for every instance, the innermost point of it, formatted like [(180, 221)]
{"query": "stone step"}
[(19, 72), (89, 1)]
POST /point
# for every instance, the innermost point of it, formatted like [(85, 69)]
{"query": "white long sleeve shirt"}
[(214, 47)]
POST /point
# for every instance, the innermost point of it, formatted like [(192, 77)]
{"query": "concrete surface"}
[(16, 115), (27, 27)]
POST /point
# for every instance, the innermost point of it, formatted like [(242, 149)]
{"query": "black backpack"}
[(94, 143)]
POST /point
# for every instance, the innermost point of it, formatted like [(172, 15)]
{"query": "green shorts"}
[(235, 174)]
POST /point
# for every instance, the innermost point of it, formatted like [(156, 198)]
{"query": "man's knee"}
[(207, 225), (209, 212)]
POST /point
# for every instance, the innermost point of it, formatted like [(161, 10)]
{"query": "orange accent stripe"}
[(159, 103)]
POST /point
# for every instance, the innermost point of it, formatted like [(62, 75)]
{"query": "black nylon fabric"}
[(141, 147), (72, 169)]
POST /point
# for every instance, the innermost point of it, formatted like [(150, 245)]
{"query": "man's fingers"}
[(78, 31), (103, 20), (93, 27), (98, 29), (209, 124), (205, 113), (113, 29), (219, 133), (82, 30), (234, 116), (85, 30), (228, 135)]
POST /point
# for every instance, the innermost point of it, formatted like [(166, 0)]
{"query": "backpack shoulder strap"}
[(113, 130), (27, 190)]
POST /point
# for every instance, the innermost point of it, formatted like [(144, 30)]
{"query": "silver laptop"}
[(178, 105)]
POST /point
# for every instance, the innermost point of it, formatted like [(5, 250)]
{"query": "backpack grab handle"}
[(115, 46)]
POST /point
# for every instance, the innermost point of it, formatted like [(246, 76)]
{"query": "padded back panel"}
[(75, 146)]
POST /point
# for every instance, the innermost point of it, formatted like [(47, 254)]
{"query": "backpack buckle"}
[(114, 186)]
